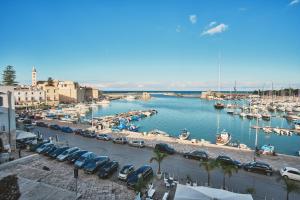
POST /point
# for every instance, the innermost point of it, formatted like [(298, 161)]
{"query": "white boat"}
[(103, 102), (184, 135), (296, 109), (267, 129), (130, 98), (277, 130), (158, 132), (223, 138), (242, 114), (297, 125)]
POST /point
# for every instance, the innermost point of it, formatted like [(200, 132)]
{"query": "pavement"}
[(265, 187)]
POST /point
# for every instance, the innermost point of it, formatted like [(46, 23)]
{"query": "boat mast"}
[(219, 84)]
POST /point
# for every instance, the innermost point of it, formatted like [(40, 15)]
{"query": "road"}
[(265, 187)]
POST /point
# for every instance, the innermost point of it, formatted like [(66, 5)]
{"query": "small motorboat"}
[(266, 116), (267, 129), (223, 138), (184, 135), (242, 114), (230, 111), (219, 105), (267, 150)]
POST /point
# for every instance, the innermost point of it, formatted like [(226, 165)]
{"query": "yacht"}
[(184, 135), (223, 138), (219, 105)]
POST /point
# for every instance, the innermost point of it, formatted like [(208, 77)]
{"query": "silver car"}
[(67, 153), (137, 143)]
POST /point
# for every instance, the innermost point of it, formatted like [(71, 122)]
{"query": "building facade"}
[(7, 119), (29, 96)]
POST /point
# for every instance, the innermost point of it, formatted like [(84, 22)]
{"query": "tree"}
[(227, 170), (289, 186), (9, 76), (50, 82), (158, 157), (9, 187), (209, 166)]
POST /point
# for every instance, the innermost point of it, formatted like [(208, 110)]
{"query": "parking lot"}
[(265, 187)]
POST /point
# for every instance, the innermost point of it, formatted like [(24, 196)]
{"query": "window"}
[(1, 101)]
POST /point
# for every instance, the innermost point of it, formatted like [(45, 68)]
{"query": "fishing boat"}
[(267, 150), (219, 105), (230, 111), (277, 130), (242, 114), (297, 125), (223, 138), (249, 116), (184, 135), (267, 129), (266, 116)]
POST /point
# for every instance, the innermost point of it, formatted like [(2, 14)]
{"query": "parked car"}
[(103, 137), (125, 172), (78, 131), (108, 169), (42, 147), (49, 150), (196, 155), (226, 160), (74, 156), (91, 166), (145, 171), (91, 134), (41, 124), (58, 151), (290, 173), (28, 127), (137, 143), (79, 163), (120, 140), (259, 167), (64, 156), (54, 127), (162, 147), (33, 147), (66, 129)]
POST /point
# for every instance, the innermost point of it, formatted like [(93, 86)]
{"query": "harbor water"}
[(203, 121)]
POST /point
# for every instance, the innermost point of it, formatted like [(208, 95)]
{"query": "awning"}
[(184, 192), (24, 135)]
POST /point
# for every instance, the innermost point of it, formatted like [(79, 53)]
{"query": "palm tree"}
[(289, 186), (209, 166), (227, 170), (158, 157)]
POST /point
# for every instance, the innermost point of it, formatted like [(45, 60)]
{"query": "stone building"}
[(7, 119), (51, 92), (29, 95)]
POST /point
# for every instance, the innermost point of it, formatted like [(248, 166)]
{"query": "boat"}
[(266, 116), (223, 138), (158, 132), (230, 111), (267, 129), (219, 105), (297, 125), (184, 135), (249, 116), (242, 114), (267, 150), (277, 130), (103, 102)]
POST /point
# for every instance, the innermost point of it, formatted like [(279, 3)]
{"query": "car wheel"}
[(268, 174), (186, 156), (286, 177), (248, 170)]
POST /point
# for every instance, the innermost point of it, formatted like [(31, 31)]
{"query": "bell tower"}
[(33, 77)]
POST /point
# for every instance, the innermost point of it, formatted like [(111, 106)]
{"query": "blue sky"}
[(163, 45)]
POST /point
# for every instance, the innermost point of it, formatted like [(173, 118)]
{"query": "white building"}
[(29, 96), (7, 119)]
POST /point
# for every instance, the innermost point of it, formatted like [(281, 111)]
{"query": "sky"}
[(154, 44)]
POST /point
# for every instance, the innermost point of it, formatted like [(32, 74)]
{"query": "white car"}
[(290, 173)]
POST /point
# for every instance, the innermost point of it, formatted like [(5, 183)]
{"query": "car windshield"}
[(125, 170)]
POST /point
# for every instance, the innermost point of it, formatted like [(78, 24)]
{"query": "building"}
[(29, 96), (51, 92), (69, 92), (33, 77), (7, 119), (90, 93)]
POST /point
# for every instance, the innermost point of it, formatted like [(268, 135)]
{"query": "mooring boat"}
[(219, 105), (223, 138), (184, 135)]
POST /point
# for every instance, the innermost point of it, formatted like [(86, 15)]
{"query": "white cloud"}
[(178, 29), (216, 29), (212, 24), (294, 2), (193, 19)]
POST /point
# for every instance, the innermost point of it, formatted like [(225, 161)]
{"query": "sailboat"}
[(218, 104)]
